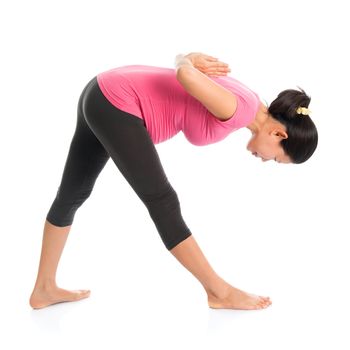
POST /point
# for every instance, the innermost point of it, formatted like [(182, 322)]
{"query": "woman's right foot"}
[(42, 297), (234, 298)]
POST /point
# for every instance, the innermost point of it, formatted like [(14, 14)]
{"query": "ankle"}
[(46, 284), (219, 289)]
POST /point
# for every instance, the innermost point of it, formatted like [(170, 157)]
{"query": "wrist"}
[(181, 60)]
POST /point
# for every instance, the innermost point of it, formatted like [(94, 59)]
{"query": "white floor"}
[(143, 298)]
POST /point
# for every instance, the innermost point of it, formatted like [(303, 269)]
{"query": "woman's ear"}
[(280, 134)]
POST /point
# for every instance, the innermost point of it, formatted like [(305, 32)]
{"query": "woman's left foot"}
[(42, 297)]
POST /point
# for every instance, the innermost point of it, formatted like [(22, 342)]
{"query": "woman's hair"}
[(302, 133)]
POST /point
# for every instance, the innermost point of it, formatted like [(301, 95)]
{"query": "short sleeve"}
[(248, 103)]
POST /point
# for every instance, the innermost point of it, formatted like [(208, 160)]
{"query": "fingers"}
[(216, 74), (213, 62), (214, 67), (211, 58), (218, 69), (221, 69), (218, 64)]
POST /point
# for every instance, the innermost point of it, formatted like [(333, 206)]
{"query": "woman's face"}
[(266, 144)]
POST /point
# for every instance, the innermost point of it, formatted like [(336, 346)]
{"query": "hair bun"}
[(288, 103)]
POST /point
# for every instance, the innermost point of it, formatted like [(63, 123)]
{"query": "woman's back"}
[(156, 96)]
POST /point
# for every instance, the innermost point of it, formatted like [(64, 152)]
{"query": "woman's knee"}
[(165, 211), (65, 205)]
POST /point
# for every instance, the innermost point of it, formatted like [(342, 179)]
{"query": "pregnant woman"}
[(123, 112)]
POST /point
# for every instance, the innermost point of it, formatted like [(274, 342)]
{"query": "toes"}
[(83, 291), (267, 304), (79, 294), (263, 303), (266, 300)]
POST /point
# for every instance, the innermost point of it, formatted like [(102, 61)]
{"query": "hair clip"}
[(303, 111)]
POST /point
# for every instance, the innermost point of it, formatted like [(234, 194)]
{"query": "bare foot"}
[(234, 298), (42, 297)]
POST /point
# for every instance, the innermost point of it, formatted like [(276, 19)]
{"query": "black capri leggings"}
[(104, 131)]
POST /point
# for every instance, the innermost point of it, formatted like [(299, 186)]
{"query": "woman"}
[(124, 112)]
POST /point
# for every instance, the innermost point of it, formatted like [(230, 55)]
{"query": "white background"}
[(266, 228)]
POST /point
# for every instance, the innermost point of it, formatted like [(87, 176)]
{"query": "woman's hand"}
[(208, 65)]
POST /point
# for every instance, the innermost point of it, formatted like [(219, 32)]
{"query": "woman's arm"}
[(220, 102)]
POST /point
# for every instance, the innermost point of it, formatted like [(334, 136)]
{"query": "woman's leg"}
[(127, 141), (46, 291), (86, 158), (221, 295)]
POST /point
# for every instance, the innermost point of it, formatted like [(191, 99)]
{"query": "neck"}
[(260, 119)]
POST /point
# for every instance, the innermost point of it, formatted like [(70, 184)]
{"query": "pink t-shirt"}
[(156, 96)]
